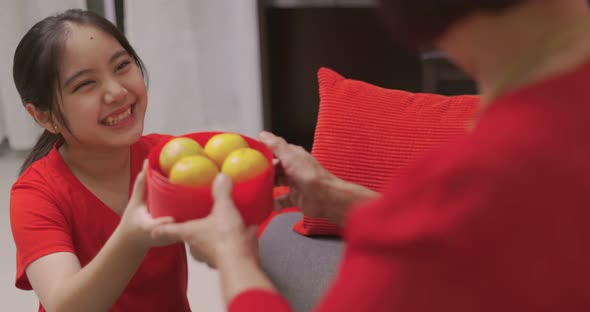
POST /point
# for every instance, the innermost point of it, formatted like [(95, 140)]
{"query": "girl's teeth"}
[(111, 121)]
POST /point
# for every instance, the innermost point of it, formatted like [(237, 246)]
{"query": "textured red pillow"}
[(367, 135)]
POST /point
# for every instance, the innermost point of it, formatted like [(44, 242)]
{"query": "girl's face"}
[(103, 94)]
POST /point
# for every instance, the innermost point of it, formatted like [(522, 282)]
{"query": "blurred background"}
[(236, 65), (228, 65)]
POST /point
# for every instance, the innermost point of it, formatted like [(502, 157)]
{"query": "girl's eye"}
[(83, 84), (122, 66)]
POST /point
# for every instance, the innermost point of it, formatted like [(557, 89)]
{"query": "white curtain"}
[(203, 62), (16, 17)]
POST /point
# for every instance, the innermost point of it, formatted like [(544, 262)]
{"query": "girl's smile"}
[(120, 118)]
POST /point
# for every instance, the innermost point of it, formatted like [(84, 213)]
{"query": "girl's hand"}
[(137, 223)]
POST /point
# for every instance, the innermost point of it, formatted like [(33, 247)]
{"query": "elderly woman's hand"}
[(313, 189), (221, 235)]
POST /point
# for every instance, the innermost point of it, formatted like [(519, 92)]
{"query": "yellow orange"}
[(177, 149), (193, 171), (243, 164), (220, 145)]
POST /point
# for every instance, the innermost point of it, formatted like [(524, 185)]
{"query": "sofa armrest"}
[(300, 267)]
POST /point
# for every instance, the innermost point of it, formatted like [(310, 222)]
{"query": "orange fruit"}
[(243, 164), (220, 145), (193, 171), (177, 149)]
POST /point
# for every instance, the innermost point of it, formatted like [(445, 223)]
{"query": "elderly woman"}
[(496, 221)]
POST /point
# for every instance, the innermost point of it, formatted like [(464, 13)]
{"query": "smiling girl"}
[(78, 215)]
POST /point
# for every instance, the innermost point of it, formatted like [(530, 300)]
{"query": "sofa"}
[(367, 135)]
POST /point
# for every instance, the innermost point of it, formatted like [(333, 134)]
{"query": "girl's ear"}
[(43, 118)]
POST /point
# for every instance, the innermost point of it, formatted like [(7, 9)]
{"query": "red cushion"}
[(367, 135)]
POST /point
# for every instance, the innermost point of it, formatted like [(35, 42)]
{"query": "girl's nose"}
[(115, 94)]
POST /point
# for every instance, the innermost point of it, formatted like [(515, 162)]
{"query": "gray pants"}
[(301, 267)]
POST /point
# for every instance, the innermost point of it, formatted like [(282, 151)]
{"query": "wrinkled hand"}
[(220, 235), (313, 189), (311, 186), (136, 223)]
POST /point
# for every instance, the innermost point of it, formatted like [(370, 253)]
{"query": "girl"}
[(82, 234)]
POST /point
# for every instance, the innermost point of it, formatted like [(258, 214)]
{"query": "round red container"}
[(253, 197)]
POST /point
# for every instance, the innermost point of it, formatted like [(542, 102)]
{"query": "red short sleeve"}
[(39, 227)]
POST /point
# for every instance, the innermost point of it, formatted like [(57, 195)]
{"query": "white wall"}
[(203, 61), (16, 17)]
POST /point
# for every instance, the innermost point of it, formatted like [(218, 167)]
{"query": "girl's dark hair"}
[(420, 22), (36, 67)]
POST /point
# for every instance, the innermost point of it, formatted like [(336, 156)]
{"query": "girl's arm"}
[(61, 285)]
